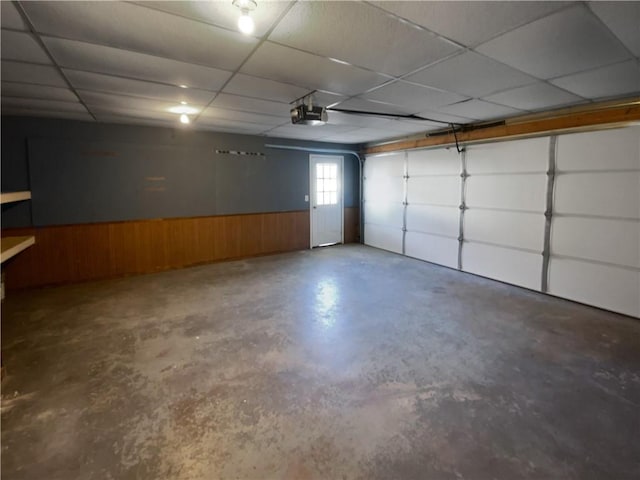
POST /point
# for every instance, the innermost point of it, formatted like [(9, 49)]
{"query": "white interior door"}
[(326, 199)]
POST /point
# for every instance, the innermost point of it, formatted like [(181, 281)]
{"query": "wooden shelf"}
[(9, 197), (12, 246)]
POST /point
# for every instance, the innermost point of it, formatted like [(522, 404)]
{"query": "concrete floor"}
[(340, 363)]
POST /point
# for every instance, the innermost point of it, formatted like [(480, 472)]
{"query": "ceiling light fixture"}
[(245, 22), (184, 118), (180, 109)]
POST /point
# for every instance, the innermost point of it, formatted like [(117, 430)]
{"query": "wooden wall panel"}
[(75, 253), (351, 225)]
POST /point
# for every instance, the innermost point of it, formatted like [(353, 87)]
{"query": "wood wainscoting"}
[(351, 225), (77, 253)]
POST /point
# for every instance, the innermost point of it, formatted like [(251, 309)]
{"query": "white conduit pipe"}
[(333, 150)]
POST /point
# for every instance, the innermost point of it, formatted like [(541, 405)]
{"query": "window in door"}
[(326, 183)]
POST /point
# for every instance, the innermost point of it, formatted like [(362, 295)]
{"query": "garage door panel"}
[(604, 194), (430, 219), (434, 190), (509, 157), (610, 241), (511, 229), (432, 248), (384, 189), (511, 192), (386, 238), (434, 162), (605, 150), (383, 213), (504, 264), (385, 166), (603, 286)]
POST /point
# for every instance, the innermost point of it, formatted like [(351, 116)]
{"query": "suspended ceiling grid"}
[(127, 62)]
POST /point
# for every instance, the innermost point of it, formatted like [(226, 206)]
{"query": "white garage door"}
[(433, 200), (484, 212), (384, 190), (504, 220), (595, 235)]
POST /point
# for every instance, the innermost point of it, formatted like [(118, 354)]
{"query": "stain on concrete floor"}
[(338, 363)]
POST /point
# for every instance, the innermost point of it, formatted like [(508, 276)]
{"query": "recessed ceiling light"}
[(180, 109), (183, 86), (183, 103), (184, 118)]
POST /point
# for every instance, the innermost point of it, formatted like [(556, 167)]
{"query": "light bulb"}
[(245, 24), (184, 118)]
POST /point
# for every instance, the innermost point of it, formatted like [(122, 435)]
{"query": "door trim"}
[(311, 194)]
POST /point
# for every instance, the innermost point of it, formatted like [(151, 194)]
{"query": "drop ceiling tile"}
[(343, 30), (249, 86), (246, 104), (10, 18), (106, 83), (236, 115), (623, 19), (132, 120), (357, 103), (338, 118), (101, 59), (32, 74), (287, 65), (471, 74), (415, 97), (232, 124), (27, 112), (394, 126), (362, 135), (303, 132), (442, 117), (326, 99), (534, 97), (136, 28), (565, 42), (24, 90), (224, 14), (22, 46), (411, 126), (614, 80), (134, 113), (111, 101), (470, 23), (479, 110), (39, 104), (308, 132)]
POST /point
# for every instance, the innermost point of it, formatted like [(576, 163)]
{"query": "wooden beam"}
[(607, 116)]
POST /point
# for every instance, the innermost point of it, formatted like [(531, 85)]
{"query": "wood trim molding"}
[(584, 118)]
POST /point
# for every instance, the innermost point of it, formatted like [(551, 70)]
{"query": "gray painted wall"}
[(83, 172)]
